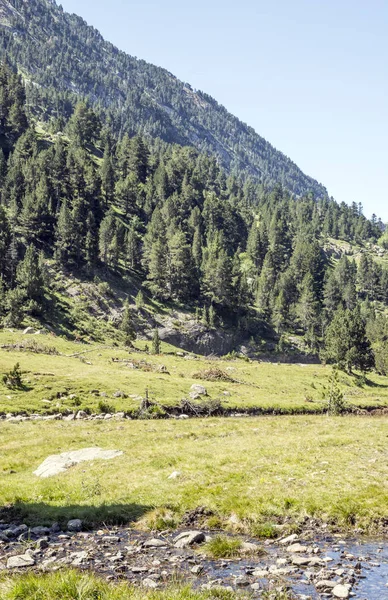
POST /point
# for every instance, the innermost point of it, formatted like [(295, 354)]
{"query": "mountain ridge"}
[(66, 54)]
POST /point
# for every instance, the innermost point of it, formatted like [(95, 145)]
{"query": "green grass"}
[(220, 546), (72, 585), (281, 387), (252, 473)]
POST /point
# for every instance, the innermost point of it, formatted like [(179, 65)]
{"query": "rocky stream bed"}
[(309, 566)]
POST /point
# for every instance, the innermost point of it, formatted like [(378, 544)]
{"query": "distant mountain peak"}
[(60, 53)]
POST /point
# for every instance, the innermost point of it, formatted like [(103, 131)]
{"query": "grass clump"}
[(214, 374), (72, 585), (222, 546), (160, 519)]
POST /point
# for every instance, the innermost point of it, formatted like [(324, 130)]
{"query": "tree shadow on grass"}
[(40, 513), (362, 380)]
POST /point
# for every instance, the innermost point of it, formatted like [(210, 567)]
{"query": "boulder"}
[(74, 525), (20, 562), (59, 463), (29, 331), (341, 591), (198, 389), (188, 538)]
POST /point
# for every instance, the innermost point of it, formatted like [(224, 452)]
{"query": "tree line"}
[(171, 216)]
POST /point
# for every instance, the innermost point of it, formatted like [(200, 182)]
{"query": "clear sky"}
[(311, 76)]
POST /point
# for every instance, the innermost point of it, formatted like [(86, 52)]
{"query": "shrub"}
[(105, 407), (13, 379)]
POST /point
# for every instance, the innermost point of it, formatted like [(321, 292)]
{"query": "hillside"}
[(60, 56)]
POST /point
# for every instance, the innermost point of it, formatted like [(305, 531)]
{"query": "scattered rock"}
[(74, 525), (155, 543), (188, 538), (325, 584), (301, 561), (297, 548), (150, 583), (20, 562), (199, 389), (289, 539), (341, 591), (81, 414), (197, 569)]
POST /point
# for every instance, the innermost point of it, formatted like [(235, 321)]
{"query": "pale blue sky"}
[(311, 76)]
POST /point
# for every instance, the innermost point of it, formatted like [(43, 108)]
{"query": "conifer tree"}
[(156, 343), (29, 276), (127, 326)]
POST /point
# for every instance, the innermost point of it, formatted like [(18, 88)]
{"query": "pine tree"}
[(139, 300), (156, 343), (127, 326), (346, 343), (29, 277), (64, 236)]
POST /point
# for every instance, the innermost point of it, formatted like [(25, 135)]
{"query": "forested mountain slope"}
[(59, 56), (174, 231)]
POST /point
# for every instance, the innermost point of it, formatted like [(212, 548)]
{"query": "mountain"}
[(60, 56)]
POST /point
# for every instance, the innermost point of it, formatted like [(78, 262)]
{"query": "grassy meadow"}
[(72, 585), (253, 474), (55, 369)]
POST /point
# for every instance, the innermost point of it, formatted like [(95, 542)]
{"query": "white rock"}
[(199, 389), (29, 331), (18, 562), (174, 475), (297, 548), (341, 591), (289, 539), (59, 463)]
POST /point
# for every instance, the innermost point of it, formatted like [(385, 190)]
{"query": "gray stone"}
[(325, 584), (74, 525), (188, 538), (40, 531), (29, 331), (42, 543), (81, 414), (249, 548), (155, 543), (20, 562), (59, 463), (297, 548), (197, 569), (260, 573), (150, 583), (289, 539), (199, 389), (301, 561), (341, 591)]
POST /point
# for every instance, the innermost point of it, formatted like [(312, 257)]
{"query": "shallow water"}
[(371, 581)]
